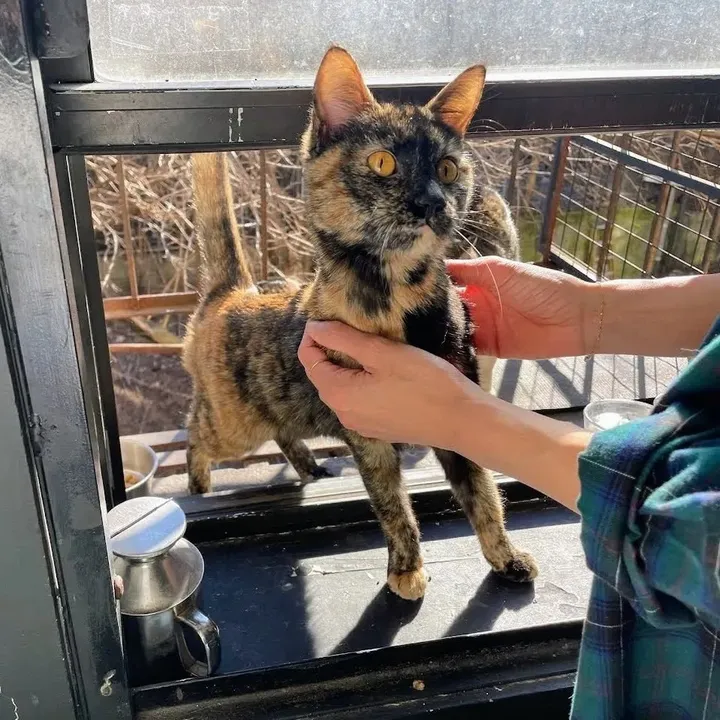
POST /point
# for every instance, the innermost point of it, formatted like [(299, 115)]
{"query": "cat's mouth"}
[(439, 224), (437, 229), (404, 235)]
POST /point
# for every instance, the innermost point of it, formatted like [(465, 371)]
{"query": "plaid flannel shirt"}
[(650, 507)]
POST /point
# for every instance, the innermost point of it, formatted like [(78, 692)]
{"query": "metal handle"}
[(209, 635)]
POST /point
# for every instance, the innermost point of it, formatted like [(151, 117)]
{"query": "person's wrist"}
[(463, 415), (482, 429), (498, 435), (534, 449)]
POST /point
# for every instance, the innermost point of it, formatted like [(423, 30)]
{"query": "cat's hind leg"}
[(379, 466), (198, 465), (202, 447), (199, 454), (479, 497), (300, 456), (200, 457)]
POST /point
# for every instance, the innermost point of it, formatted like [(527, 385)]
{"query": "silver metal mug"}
[(165, 631)]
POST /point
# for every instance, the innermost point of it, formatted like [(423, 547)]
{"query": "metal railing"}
[(634, 206)]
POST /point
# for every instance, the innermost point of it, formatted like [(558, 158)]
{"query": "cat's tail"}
[(224, 263)]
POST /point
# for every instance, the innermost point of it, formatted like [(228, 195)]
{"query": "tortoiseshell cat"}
[(386, 185)]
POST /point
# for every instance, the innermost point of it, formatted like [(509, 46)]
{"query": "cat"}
[(385, 187)]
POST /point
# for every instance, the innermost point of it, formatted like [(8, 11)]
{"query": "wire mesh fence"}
[(144, 219), (638, 205)]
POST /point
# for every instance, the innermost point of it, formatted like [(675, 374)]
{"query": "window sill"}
[(307, 625)]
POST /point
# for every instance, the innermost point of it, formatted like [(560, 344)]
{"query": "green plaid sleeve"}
[(650, 507)]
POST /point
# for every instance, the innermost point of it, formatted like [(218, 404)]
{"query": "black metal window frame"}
[(66, 435), (95, 117), (104, 118)]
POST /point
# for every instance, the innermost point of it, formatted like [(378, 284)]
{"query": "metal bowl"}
[(141, 459)]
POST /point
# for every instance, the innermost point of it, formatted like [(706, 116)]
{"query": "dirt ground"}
[(152, 392)]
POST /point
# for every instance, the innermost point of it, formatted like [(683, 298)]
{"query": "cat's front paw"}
[(317, 473), (408, 585), (198, 485), (521, 568)]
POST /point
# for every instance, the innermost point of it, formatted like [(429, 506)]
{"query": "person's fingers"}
[(318, 366), (467, 272), (484, 275), (332, 381), (365, 349), (309, 353)]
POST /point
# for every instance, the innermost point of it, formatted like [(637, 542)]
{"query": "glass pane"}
[(271, 42)]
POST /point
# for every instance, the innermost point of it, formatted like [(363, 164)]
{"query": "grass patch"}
[(580, 234), (529, 227)]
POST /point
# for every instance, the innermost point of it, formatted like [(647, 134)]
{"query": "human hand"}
[(526, 311), (400, 394)]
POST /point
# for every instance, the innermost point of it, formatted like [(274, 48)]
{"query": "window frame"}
[(87, 117), (102, 118)]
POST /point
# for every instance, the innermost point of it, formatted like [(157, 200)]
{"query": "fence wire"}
[(615, 220)]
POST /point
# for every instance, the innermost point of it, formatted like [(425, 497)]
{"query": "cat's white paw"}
[(408, 585)]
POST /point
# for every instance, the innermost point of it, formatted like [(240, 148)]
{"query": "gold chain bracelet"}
[(596, 345)]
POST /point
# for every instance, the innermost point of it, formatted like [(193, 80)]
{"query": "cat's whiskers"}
[(466, 240), (386, 230), (479, 224), (386, 240), (497, 288), (485, 265), (469, 217), (397, 261), (383, 251), (474, 211)]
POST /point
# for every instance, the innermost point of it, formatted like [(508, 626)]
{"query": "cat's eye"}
[(382, 163), (447, 170)]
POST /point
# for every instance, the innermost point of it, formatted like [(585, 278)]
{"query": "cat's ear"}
[(456, 103), (340, 93)]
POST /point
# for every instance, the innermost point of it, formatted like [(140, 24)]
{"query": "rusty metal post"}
[(618, 175), (263, 217), (557, 176), (666, 199), (713, 242), (531, 179), (511, 195)]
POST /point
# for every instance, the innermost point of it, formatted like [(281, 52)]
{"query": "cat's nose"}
[(428, 202)]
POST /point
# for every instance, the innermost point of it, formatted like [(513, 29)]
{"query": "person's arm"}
[(537, 450), (665, 317)]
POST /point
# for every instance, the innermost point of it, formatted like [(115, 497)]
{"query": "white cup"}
[(607, 414)]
